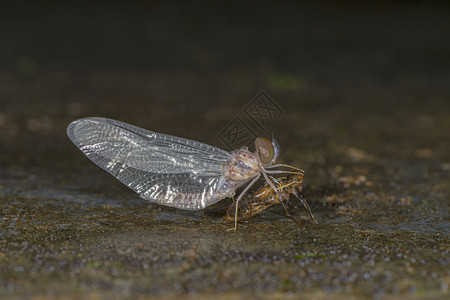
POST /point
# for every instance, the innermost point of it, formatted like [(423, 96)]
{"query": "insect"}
[(173, 171), (264, 197)]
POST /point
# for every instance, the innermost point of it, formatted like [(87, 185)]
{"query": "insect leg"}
[(239, 198), (288, 214), (305, 204), (280, 172), (270, 182), (286, 166)]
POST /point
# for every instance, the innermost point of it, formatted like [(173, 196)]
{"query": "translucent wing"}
[(165, 169)]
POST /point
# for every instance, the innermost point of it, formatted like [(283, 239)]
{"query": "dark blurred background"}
[(189, 68)]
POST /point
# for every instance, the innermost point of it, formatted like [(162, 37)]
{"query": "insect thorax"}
[(243, 165)]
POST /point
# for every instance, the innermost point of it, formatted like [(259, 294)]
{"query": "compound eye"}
[(265, 150)]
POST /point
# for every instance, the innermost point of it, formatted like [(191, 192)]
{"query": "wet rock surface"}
[(366, 115)]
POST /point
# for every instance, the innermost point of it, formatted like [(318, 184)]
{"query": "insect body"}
[(170, 170), (264, 197)]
